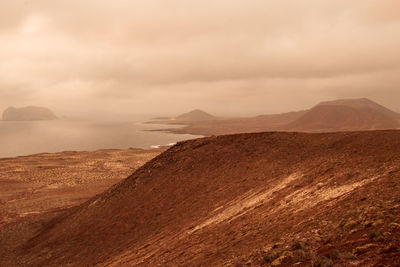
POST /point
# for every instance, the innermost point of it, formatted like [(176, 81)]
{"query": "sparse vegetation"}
[(376, 235), (324, 262)]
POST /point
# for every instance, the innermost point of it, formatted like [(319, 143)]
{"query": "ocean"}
[(32, 137)]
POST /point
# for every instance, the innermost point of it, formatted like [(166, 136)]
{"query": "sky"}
[(227, 57)]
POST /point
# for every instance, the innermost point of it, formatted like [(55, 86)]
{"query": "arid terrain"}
[(33, 187), (331, 116), (262, 199), (171, 133)]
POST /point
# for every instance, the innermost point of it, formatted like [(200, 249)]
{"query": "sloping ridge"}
[(346, 115), (234, 199)]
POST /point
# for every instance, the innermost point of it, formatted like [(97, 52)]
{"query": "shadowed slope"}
[(229, 199)]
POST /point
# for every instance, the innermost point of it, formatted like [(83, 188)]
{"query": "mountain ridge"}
[(329, 116)]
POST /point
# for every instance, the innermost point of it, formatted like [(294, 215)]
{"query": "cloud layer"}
[(233, 56)]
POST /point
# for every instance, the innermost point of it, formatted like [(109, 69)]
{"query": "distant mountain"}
[(29, 113), (346, 115), (363, 103), (331, 116), (195, 115)]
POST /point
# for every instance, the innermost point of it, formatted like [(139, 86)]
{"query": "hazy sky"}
[(170, 56)]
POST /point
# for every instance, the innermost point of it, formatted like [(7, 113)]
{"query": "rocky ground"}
[(265, 199)]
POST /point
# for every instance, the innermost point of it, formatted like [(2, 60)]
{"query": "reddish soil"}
[(249, 199)]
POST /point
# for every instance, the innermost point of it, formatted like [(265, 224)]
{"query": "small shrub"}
[(268, 258), (300, 255), (350, 225), (324, 262), (376, 235), (297, 246), (335, 254), (368, 223)]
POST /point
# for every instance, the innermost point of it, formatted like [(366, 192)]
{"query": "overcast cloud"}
[(224, 56)]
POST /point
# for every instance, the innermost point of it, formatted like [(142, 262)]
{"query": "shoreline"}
[(70, 152), (180, 131), (87, 136), (181, 128)]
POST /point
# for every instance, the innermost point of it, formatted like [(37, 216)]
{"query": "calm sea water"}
[(25, 138)]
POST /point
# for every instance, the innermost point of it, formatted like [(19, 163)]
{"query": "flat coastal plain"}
[(36, 185)]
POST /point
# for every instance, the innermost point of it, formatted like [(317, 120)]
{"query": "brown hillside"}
[(253, 199), (330, 118), (361, 104), (346, 115)]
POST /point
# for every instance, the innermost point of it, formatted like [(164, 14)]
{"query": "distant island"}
[(195, 115), (30, 113)]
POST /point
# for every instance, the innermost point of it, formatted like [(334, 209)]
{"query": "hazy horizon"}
[(117, 58)]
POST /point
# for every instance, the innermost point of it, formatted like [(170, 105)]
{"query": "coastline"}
[(180, 128), (184, 130), (28, 138)]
